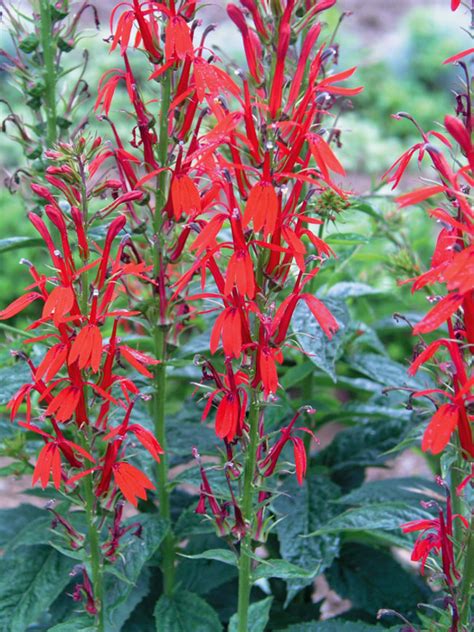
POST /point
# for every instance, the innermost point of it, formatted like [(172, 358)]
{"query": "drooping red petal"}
[(148, 440), (19, 305), (440, 313), (324, 317), (440, 428), (132, 482)]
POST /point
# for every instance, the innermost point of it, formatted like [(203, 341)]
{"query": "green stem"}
[(49, 73), (467, 580), (456, 478), (246, 549), (95, 553), (168, 546)]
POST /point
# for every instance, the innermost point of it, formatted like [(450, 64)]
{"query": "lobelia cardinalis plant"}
[(275, 163), (188, 86), (450, 285), (78, 402), (249, 187)]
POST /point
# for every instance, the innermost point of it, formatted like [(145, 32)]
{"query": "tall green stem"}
[(95, 553), (49, 73), (467, 583), (168, 546), (246, 549)]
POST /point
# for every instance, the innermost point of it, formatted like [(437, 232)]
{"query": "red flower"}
[(178, 43), (131, 481), (86, 348)]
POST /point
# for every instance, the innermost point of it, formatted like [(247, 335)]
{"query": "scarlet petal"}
[(131, 482), (86, 349), (185, 196), (440, 428), (19, 305), (324, 317), (439, 314), (300, 458), (49, 461), (227, 417), (147, 440)]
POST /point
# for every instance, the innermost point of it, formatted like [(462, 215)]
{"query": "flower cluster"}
[(449, 282), (78, 400)]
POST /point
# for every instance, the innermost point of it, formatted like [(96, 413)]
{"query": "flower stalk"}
[(49, 72), (246, 545)]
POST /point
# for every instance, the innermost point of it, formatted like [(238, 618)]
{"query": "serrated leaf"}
[(185, 612), (258, 615), (322, 352), (361, 446), (407, 489), (349, 289), (372, 580), (378, 516), (11, 379), (383, 370), (14, 243), (122, 595), (84, 624), (185, 425), (12, 521), (190, 523), (30, 580), (34, 533), (301, 509), (219, 555), (191, 570), (281, 569), (337, 625)]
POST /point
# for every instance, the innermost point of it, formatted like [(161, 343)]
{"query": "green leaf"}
[(188, 424), (219, 555), (35, 532), (372, 580), (301, 509), (322, 352), (11, 379), (190, 523), (84, 624), (347, 239), (123, 596), (379, 516), (337, 625), (409, 489), (282, 570), (383, 370), (12, 521), (30, 580), (348, 289), (258, 615), (192, 569), (296, 373), (14, 243), (185, 612), (362, 446)]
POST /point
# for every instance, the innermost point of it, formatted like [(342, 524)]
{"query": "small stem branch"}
[(246, 549), (49, 74)]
